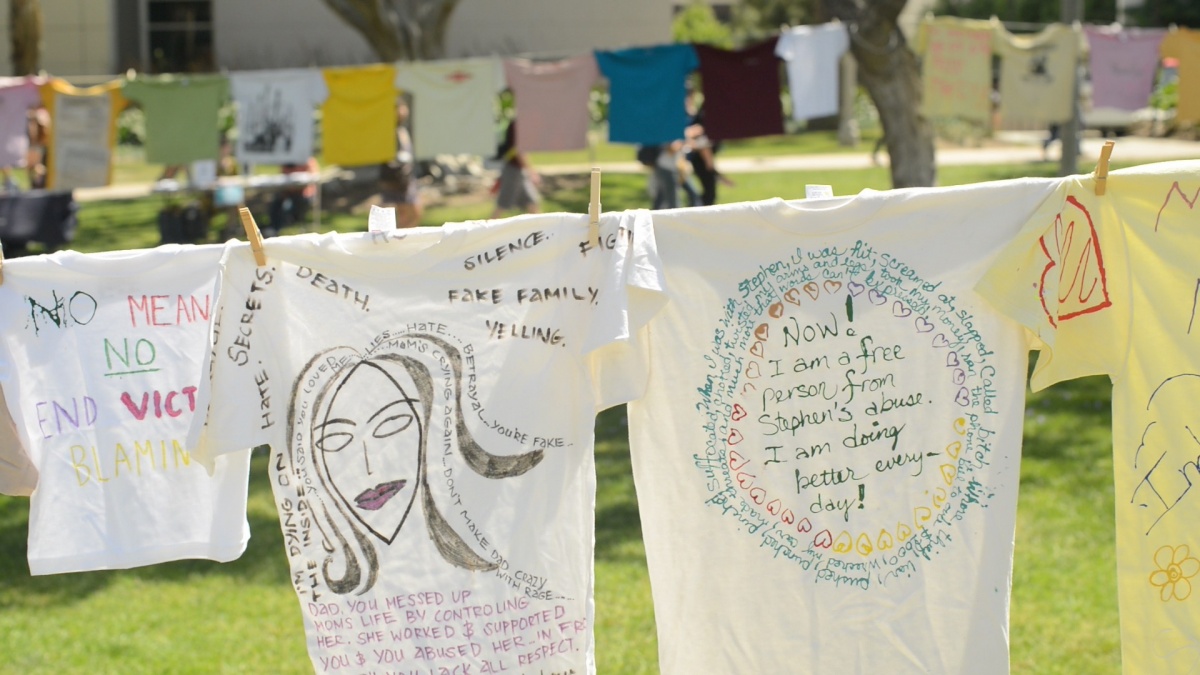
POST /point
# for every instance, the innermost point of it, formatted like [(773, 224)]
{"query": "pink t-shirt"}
[(1123, 65), (17, 96), (552, 102)]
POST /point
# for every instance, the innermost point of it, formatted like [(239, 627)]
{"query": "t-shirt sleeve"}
[(318, 90), (238, 363), (616, 348), (783, 48), (1054, 280)]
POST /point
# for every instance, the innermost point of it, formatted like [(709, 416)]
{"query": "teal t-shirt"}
[(181, 115)]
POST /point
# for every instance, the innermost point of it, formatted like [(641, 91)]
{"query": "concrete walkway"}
[(1013, 148)]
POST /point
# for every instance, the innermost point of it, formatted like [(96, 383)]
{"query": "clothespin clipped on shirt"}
[(1102, 168), (253, 236), (594, 207)]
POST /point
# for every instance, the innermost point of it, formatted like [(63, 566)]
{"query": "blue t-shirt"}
[(647, 88)]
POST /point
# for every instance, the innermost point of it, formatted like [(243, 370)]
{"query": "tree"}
[(888, 70), (399, 30), (25, 26), (697, 24)]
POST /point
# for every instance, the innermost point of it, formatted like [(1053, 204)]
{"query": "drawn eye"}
[(333, 441), (390, 426)]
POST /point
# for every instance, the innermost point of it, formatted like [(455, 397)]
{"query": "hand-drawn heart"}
[(885, 541), (773, 507), (903, 532), (749, 386), (876, 297), (739, 413), (736, 461), (745, 480), (843, 543), (921, 514), (963, 397), (805, 525), (824, 539), (960, 376), (776, 310), (758, 495), (753, 371), (757, 348), (832, 286), (899, 310), (787, 517), (792, 296), (939, 497), (735, 437), (762, 331), (855, 288), (952, 360), (949, 472), (864, 545), (812, 289), (960, 426), (953, 449), (940, 340), (923, 325)]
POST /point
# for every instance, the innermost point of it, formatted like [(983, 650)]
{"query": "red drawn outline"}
[(1094, 248), (1175, 188)]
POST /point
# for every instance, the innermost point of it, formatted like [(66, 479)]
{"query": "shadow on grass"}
[(618, 523), (264, 561), (1068, 432)]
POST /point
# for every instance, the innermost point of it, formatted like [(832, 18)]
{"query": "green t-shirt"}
[(181, 115)]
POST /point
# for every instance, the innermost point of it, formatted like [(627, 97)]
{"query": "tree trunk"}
[(25, 26), (888, 69), (399, 30)]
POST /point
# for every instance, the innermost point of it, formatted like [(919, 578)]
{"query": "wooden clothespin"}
[(253, 236), (594, 207), (1102, 168)]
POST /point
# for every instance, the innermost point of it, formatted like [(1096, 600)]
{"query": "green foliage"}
[(697, 24), (1165, 97), (1165, 12), (756, 18), (1030, 11)]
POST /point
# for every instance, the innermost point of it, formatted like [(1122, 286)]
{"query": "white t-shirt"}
[(812, 54), (827, 453), (275, 114), (429, 397), (103, 356), (453, 109)]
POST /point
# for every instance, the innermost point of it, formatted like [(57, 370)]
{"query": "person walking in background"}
[(517, 187), (398, 179), (701, 154), (291, 204)]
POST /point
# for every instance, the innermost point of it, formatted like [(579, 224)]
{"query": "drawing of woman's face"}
[(369, 437)]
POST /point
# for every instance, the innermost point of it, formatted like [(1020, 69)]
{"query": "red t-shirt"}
[(741, 91)]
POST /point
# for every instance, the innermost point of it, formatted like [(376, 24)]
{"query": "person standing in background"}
[(398, 179), (517, 187)]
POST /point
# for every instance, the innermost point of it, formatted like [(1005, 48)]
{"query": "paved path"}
[(1017, 148)]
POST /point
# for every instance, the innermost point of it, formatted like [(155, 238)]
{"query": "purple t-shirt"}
[(1123, 65), (17, 96)]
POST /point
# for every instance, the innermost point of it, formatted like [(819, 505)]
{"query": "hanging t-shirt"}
[(83, 133), (358, 119), (552, 101), (1109, 285), (741, 91), (454, 105), (102, 357), (1037, 73), (275, 114), (812, 54), (182, 115), (17, 96), (956, 70), (829, 443), (1123, 64), (429, 398), (1183, 45), (18, 475), (647, 87)]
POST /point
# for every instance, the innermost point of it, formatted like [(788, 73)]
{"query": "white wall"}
[(252, 34), (77, 37)]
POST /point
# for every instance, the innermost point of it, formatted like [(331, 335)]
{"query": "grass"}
[(242, 617)]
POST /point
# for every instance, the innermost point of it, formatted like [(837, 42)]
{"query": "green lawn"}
[(242, 617)]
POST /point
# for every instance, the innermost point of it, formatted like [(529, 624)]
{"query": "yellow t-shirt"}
[(358, 120), (1111, 285), (1184, 45), (83, 131), (956, 70), (1037, 72)]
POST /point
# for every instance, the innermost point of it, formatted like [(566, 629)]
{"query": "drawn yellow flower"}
[(1175, 568)]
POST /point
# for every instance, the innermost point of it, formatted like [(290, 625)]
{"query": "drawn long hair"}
[(351, 557)]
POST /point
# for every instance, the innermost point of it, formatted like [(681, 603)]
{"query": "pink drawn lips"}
[(373, 499)]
